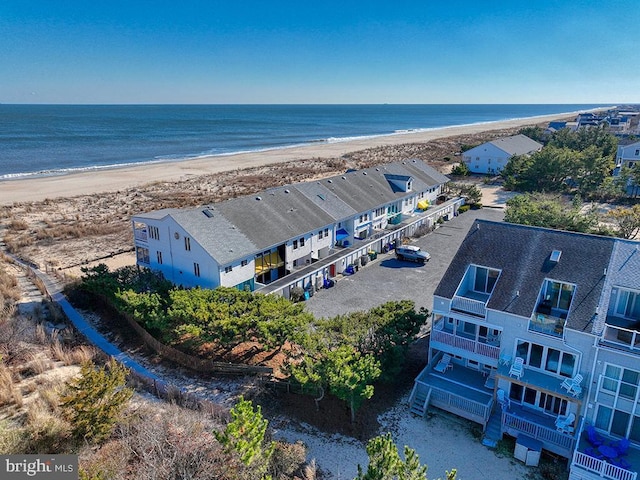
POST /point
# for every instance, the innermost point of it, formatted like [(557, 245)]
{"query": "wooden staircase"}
[(420, 401), (493, 433)]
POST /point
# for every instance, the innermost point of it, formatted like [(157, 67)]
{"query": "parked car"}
[(412, 254)]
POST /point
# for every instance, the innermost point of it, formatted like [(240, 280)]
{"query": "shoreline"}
[(116, 178)]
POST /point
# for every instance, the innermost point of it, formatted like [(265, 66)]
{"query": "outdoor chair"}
[(593, 452), (593, 437), (517, 368), (621, 446), (444, 364), (503, 400), (564, 423), (620, 462), (572, 385)]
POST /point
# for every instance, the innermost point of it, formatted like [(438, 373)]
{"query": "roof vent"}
[(329, 181), (343, 177), (258, 198), (555, 256), (364, 173), (208, 213)]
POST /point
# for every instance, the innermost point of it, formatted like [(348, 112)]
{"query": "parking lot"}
[(388, 279)]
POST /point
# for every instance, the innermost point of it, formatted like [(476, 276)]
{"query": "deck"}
[(586, 466), (539, 380)]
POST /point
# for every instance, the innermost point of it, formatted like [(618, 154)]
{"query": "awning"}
[(341, 234), (423, 204)]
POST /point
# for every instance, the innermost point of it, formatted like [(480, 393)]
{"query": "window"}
[(159, 257), (196, 269), (243, 263), (302, 242), (538, 400), (320, 234), (546, 358), (228, 269), (326, 232), (485, 279), (295, 244), (637, 152), (557, 295), (620, 381), (154, 232), (628, 304), (187, 244), (142, 254)]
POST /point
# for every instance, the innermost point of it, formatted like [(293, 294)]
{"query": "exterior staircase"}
[(420, 401), (493, 432)]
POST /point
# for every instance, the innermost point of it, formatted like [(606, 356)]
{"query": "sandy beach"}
[(112, 180)]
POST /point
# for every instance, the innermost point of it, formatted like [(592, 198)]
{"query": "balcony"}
[(549, 324), (539, 426), (471, 302), (621, 334), (460, 391), (588, 467), (490, 349), (140, 234)]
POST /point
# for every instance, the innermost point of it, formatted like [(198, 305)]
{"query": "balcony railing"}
[(461, 406), (623, 337), (140, 234), (552, 440), (466, 344), (469, 305), (547, 324), (601, 468)]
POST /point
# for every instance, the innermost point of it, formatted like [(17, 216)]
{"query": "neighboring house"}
[(539, 326), (628, 154), (251, 241), (491, 157)]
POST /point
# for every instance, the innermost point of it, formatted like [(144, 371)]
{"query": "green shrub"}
[(464, 208)]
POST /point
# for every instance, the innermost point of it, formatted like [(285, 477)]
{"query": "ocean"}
[(39, 140)]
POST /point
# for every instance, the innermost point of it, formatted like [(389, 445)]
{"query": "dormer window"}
[(485, 279), (555, 298), (628, 304)]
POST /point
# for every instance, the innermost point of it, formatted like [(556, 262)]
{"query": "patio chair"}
[(593, 437), (620, 462), (444, 364), (621, 446), (572, 385), (503, 400), (564, 423), (593, 452), (517, 368)]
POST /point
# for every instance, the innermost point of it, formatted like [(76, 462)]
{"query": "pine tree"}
[(95, 400), (245, 437)]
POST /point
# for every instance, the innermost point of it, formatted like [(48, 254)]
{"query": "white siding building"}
[(491, 157), (255, 240)]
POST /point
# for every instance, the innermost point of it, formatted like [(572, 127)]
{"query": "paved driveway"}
[(389, 279)]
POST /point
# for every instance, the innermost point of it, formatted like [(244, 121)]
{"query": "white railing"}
[(547, 324), (551, 439), (601, 467), (462, 406), (469, 305), (140, 234), (622, 336), (466, 344)]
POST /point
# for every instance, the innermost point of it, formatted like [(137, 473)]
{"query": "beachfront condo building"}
[(253, 241), (536, 335), (492, 157)]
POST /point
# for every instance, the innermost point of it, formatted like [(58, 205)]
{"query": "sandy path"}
[(36, 189)]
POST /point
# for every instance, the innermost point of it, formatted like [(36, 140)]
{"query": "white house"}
[(491, 157), (627, 154), (255, 240)]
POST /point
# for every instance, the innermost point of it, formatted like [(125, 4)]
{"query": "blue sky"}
[(429, 51)]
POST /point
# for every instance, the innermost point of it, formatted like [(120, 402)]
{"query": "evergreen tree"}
[(95, 400)]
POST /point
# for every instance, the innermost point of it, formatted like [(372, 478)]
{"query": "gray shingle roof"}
[(517, 144), (279, 214), (522, 254)]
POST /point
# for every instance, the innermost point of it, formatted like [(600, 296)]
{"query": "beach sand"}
[(112, 180)]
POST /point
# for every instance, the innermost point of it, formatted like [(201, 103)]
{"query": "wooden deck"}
[(597, 468)]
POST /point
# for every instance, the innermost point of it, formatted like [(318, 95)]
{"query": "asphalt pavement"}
[(387, 279)]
